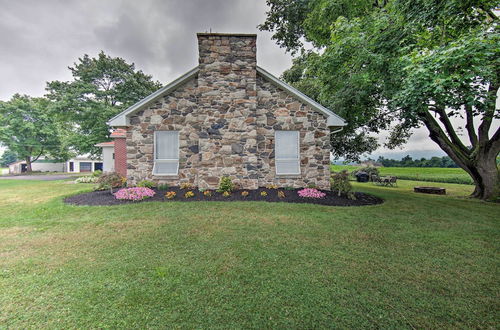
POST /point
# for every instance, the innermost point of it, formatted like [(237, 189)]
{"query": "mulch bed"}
[(291, 196)]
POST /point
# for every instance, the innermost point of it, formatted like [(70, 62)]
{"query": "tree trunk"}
[(486, 178), (28, 164), (479, 163)]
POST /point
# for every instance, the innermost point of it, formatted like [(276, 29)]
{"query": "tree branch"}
[(488, 116), (439, 136), (470, 125), (36, 158), (450, 130)]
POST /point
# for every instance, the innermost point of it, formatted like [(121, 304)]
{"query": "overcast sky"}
[(40, 39)]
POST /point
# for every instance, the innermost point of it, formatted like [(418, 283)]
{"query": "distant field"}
[(432, 174)]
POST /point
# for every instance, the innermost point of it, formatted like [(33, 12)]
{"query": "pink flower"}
[(134, 194), (311, 193)]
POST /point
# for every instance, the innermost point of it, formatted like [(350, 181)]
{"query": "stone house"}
[(226, 117)]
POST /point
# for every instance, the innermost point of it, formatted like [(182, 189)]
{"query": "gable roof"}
[(122, 119)]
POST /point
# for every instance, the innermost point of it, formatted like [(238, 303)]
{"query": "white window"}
[(286, 149), (166, 152)]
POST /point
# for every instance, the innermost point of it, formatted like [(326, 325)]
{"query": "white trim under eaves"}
[(332, 118), (122, 119)]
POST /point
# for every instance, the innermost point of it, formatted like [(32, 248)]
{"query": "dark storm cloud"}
[(41, 38)]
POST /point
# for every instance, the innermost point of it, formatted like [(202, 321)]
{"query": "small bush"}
[(207, 193), (281, 194), (163, 186), (146, 184), (244, 193), (97, 173), (134, 194), (186, 185), (225, 185), (370, 170), (272, 186), (110, 181), (311, 185), (170, 194), (339, 182), (263, 193), (86, 179), (189, 194), (311, 193), (226, 194)]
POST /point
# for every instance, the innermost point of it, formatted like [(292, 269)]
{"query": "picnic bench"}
[(387, 181)]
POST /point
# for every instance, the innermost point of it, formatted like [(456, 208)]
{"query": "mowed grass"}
[(416, 261), (432, 174)]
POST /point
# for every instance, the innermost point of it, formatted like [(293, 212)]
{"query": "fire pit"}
[(430, 190)]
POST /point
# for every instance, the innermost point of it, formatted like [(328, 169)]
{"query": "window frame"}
[(166, 160), (276, 159)]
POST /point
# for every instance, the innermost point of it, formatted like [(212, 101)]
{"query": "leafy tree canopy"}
[(8, 157), (101, 88), (398, 65), (29, 129)]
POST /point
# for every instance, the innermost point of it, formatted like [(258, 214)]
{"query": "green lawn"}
[(433, 174), (416, 261)]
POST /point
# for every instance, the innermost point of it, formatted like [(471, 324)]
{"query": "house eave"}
[(333, 120), (122, 119)]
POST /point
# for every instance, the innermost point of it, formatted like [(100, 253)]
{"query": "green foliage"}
[(370, 170), (8, 157), (408, 161), (398, 65), (225, 185), (101, 88), (339, 183), (110, 181), (147, 184), (29, 129), (97, 173), (163, 186)]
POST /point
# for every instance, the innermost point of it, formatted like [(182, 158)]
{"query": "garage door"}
[(85, 167)]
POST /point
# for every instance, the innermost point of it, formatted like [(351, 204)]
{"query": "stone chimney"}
[(228, 62)]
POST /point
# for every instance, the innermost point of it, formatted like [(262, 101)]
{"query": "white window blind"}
[(286, 150), (166, 152)]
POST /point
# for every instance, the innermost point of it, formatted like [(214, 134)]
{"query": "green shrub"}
[(370, 170), (111, 180), (163, 186), (146, 184), (97, 173), (225, 185), (339, 183)]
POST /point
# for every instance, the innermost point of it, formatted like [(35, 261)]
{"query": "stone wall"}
[(226, 118)]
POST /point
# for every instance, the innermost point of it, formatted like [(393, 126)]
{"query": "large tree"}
[(30, 130), (8, 157), (399, 65), (101, 88)]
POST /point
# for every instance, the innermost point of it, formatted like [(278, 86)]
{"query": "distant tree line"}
[(408, 161)]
